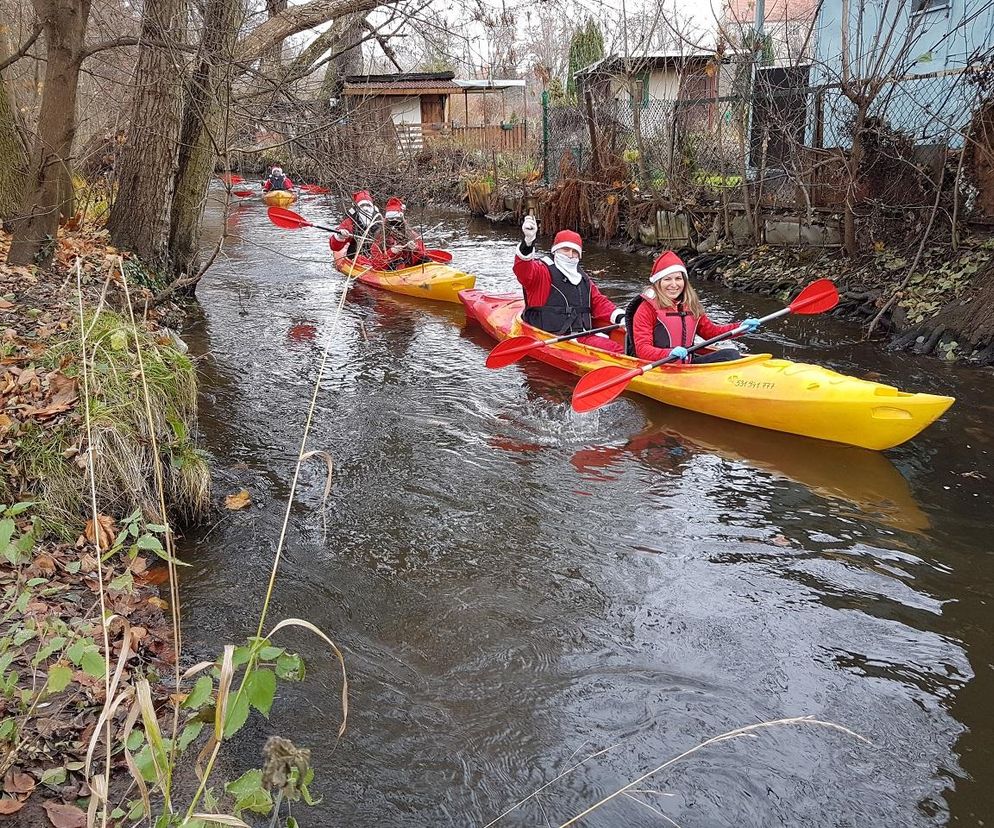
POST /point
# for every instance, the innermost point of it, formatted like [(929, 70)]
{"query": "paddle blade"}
[(440, 256), (243, 193), (232, 179), (601, 386), (818, 297), (287, 219), (511, 350)]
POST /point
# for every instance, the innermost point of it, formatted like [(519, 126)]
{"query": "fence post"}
[(545, 135)]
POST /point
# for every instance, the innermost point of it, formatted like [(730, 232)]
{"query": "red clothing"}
[(536, 280), (342, 235), (385, 260), (681, 330), (268, 183)]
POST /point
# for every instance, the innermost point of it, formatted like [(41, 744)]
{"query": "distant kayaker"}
[(362, 222), (277, 180), (664, 320), (400, 246), (559, 295)]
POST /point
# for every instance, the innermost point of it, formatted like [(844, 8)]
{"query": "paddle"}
[(440, 256), (511, 350), (289, 220), (231, 178), (601, 386), (243, 193)]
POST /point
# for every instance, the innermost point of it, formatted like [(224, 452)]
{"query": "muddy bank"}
[(81, 350)]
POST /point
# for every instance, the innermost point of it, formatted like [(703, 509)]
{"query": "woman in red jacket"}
[(665, 319)]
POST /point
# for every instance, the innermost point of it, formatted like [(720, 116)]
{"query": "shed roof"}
[(655, 59)]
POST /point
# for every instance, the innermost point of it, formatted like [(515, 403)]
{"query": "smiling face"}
[(671, 287)]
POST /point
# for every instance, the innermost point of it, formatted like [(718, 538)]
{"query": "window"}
[(925, 6)]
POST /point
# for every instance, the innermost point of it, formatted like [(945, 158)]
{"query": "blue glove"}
[(750, 324), (679, 352)]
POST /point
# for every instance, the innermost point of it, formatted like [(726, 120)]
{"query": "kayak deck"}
[(431, 280), (279, 198), (759, 390)]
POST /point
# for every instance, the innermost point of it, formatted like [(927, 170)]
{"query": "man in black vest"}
[(559, 295), (277, 180)]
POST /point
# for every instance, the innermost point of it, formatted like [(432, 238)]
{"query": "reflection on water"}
[(518, 587)]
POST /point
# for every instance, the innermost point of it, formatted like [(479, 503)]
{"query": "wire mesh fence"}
[(793, 140)]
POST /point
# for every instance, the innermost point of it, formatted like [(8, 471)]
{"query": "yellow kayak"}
[(279, 198), (759, 390), (428, 281)]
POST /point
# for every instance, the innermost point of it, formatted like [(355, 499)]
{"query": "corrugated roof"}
[(401, 87)]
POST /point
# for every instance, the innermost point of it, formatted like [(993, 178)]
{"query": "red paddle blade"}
[(511, 350), (287, 219), (232, 179), (440, 256), (601, 386), (242, 193), (818, 297)]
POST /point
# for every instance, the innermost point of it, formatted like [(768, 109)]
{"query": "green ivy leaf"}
[(55, 777), (150, 543), (270, 653), (238, 711), (248, 793), (190, 732), (92, 663), (200, 694), (261, 690), (290, 667), (59, 677)]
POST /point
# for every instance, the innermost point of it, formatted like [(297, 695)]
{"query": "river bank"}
[(72, 552)]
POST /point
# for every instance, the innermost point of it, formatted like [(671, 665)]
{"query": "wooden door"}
[(432, 109)]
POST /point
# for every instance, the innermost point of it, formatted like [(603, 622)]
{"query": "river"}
[(517, 587)]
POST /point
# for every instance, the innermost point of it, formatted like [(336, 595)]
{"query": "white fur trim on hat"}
[(392, 214), (666, 271), (569, 244)]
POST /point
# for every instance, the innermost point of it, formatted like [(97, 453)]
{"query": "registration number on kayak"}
[(756, 385)]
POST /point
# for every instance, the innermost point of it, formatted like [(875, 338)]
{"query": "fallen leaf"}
[(5, 421), (10, 806), (64, 396), (158, 603), (239, 500), (779, 540), (18, 782), (139, 565), (106, 530), (5, 305), (65, 816), (44, 564)]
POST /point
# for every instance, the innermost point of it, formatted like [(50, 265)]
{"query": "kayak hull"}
[(434, 281), (758, 390), (279, 198)]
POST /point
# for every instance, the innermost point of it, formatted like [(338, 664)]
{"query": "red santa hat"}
[(361, 197), (567, 238), (665, 264), (394, 208)]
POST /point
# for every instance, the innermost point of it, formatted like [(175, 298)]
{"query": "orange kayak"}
[(428, 281), (759, 389), (279, 198)]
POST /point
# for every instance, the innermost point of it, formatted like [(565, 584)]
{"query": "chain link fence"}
[(790, 141)]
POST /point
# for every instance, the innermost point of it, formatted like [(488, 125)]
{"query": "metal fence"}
[(787, 134)]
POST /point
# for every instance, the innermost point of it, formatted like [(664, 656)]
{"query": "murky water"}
[(517, 587)]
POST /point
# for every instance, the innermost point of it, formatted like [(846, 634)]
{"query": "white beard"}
[(569, 268)]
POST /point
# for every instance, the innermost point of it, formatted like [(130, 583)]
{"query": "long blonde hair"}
[(688, 298)]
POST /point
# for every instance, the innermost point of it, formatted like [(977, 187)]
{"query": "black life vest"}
[(567, 310), (680, 327), (277, 181), (370, 227)]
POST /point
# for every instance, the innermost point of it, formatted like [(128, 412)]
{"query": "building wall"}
[(942, 38), (405, 110)]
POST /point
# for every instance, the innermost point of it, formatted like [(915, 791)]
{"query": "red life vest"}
[(674, 326)]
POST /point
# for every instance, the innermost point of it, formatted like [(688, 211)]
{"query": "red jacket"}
[(342, 235), (287, 184), (678, 329), (536, 280)]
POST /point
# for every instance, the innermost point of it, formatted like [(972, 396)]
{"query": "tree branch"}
[(24, 47), (298, 19)]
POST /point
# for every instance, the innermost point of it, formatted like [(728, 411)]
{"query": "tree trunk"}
[(204, 136), (139, 220), (13, 149), (12, 152), (49, 170)]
